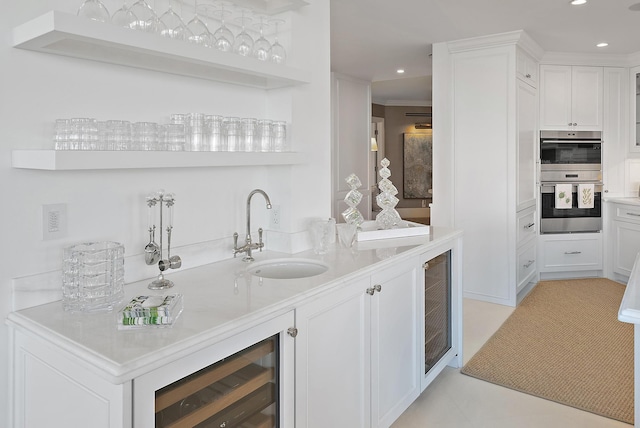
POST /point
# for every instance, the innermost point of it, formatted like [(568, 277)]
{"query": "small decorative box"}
[(150, 311)]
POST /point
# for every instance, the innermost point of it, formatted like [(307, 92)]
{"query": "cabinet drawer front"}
[(584, 254), (526, 264), (527, 227), (628, 213)]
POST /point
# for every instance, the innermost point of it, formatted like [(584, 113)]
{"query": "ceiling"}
[(371, 39)]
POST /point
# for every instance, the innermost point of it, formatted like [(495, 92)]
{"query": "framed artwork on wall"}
[(417, 166)]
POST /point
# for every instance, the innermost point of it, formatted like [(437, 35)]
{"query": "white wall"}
[(37, 88)]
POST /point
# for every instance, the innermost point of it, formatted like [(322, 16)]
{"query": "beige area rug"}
[(565, 343)]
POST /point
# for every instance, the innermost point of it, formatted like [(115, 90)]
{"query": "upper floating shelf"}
[(70, 35), (66, 160), (271, 7)]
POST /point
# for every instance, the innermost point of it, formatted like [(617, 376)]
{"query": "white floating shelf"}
[(70, 35), (59, 160)]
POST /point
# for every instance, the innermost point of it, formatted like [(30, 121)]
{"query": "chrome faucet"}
[(249, 246)]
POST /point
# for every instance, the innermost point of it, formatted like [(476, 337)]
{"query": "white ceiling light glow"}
[(400, 71), (602, 45), (578, 2)]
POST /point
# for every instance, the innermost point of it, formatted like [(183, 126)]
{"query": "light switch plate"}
[(54, 221)]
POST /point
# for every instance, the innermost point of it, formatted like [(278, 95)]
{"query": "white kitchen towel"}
[(585, 195), (563, 196)]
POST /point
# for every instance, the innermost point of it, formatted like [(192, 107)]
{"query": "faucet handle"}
[(235, 244)]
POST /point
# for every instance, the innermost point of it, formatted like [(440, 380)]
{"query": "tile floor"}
[(454, 400)]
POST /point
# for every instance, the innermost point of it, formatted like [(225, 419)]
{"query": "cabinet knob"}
[(373, 289), (575, 124), (528, 76), (526, 265), (572, 252), (425, 266), (570, 124), (529, 226), (292, 331)]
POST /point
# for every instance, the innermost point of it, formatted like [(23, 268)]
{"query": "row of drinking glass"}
[(141, 16), (185, 132)]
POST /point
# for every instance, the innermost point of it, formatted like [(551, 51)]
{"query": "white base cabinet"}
[(57, 390), (625, 237), (570, 254), (357, 352), (365, 351)]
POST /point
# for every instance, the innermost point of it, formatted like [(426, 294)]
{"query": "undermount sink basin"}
[(288, 268)]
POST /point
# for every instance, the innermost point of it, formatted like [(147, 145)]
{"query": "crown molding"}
[(572, 58), (511, 38)]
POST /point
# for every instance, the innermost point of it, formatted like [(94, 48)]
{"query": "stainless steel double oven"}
[(573, 157)]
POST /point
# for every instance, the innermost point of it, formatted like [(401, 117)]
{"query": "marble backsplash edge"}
[(46, 287)]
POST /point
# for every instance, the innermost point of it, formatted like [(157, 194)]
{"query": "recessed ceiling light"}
[(602, 45), (578, 2), (400, 71)]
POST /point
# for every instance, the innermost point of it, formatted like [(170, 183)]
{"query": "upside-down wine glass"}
[(172, 26), (145, 17), (199, 33), (123, 17), (277, 53), (223, 37), (244, 42), (261, 46), (95, 10)]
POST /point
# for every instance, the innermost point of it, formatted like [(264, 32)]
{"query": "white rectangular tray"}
[(369, 231)]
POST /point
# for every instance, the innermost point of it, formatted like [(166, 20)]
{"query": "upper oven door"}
[(570, 155)]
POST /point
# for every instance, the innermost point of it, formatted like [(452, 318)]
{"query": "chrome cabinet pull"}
[(634, 214), (529, 264), (528, 76), (370, 291), (573, 252), (292, 331), (425, 266), (529, 226)]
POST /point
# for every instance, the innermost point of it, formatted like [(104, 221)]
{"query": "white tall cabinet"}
[(492, 131)]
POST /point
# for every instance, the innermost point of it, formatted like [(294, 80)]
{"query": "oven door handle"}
[(550, 187), (570, 141)]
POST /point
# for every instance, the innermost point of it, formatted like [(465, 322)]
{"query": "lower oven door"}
[(569, 220)]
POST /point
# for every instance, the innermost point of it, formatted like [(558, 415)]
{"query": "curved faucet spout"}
[(248, 236)]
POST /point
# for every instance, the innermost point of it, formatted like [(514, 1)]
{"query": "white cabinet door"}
[(526, 147), (626, 246), (332, 359), (587, 98), (395, 379), (526, 68), (571, 98), (555, 97)]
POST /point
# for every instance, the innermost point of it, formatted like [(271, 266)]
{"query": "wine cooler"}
[(239, 391), (437, 318)]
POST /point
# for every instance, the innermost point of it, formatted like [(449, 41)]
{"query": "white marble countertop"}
[(623, 200), (220, 299)]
